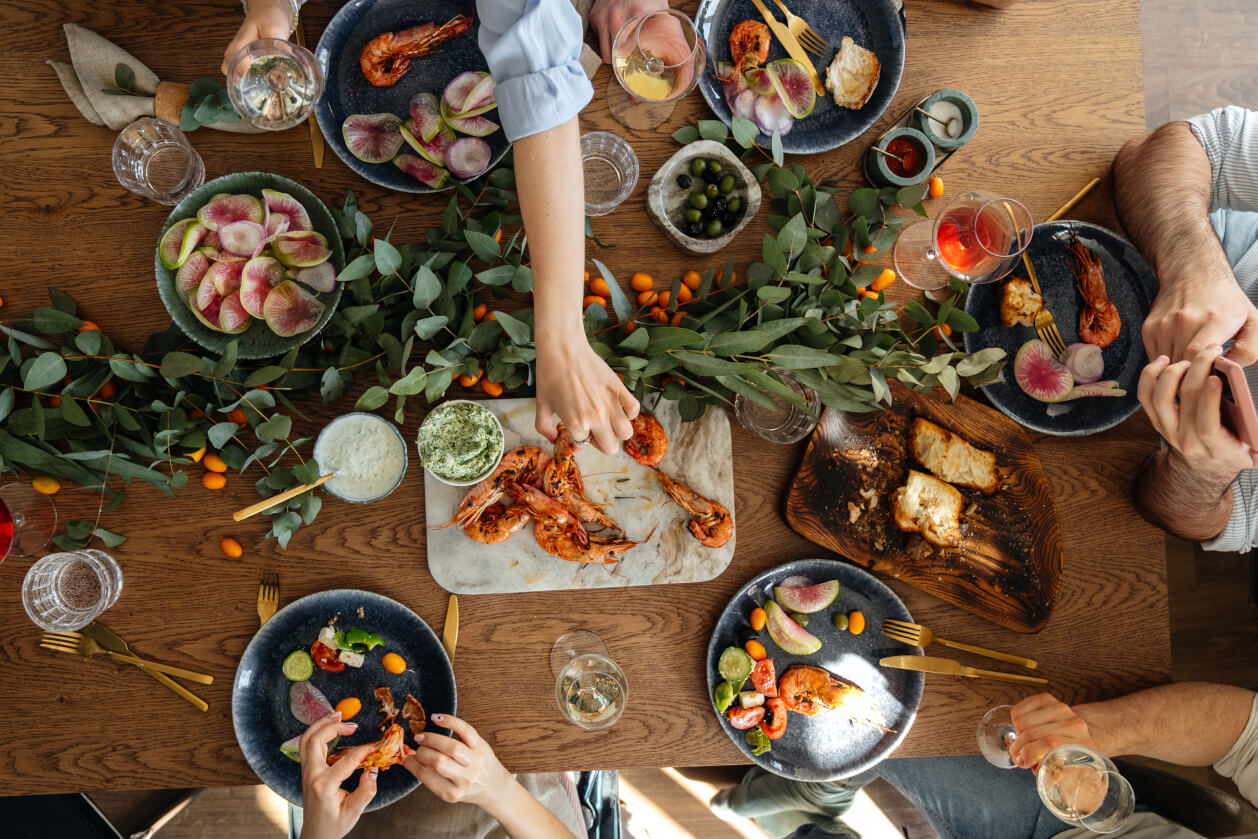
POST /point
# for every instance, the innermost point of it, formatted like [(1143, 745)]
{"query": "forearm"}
[(1190, 724), (524, 817), (1187, 502)]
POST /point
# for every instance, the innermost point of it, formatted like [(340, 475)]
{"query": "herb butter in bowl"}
[(367, 453), (460, 442)]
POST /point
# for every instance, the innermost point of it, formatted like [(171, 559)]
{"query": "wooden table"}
[(1059, 86)]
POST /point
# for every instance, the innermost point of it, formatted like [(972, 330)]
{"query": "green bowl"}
[(258, 341)]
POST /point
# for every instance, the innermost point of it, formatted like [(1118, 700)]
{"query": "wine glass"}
[(978, 237), (657, 58), (590, 689), (274, 83), (27, 520)]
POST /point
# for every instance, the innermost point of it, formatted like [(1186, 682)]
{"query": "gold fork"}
[(805, 34), (919, 636), (268, 595), (80, 644), (1045, 325)]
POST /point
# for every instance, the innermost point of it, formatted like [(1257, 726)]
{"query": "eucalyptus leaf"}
[(779, 156), (745, 132), (773, 294), (7, 398), (798, 357), (748, 390), (277, 427), (706, 365), (713, 129), (220, 433), (426, 328), (686, 134), (360, 267), (176, 365), (427, 287), (516, 329), (409, 385), (387, 257), (55, 321), (661, 339), (737, 343), (264, 375), (47, 369), (482, 245)]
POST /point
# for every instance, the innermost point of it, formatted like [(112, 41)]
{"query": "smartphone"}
[(1238, 416)]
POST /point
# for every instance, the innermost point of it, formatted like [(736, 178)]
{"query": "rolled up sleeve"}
[(533, 49), (1241, 762)]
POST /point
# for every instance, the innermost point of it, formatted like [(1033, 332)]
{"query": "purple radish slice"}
[(171, 248), (223, 209), (276, 223), (796, 581), (301, 250), (421, 170), (456, 92), (321, 277), (232, 317), (291, 310), (205, 304), (1085, 362), (282, 202), (372, 138), (242, 238), (307, 703), (731, 83), (759, 81), (771, 115), (190, 275), (425, 116), (1040, 375), (435, 149), (744, 104), (480, 96), (793, 84), (225, 276), (448, 114), (468, 157), (473, 126), (260, 275), (211, 240), (1109, 387)]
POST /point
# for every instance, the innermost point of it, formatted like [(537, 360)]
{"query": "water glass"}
[(610, 167), (787, 422), (274, 83), (154, 158), (590, 688), (64, 592)]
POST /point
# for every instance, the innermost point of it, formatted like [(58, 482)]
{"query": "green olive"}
[(799, 618), (711, 190), (714, 166), (714, 228), (735, 204), (840, 621), (697, 166), (727, 184), (694, 215), (698, 200)]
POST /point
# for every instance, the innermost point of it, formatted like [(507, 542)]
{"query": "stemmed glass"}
[(27, 520), (590, 689), (1077, 784), (657, 58), (274, 83), (979, 238)]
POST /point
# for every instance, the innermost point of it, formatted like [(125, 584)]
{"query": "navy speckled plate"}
[(1132, 288), (260, 712), (828, 747), (873, 24), (348, 92)]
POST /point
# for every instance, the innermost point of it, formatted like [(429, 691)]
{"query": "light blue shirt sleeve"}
[(533, 49)]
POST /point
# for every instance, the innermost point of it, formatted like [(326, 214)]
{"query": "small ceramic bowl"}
[(330, 486), (937, 133), (666, 201), (482, 475), (876, 164)]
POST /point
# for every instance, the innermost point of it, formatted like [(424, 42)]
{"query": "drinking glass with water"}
[(154, 158)]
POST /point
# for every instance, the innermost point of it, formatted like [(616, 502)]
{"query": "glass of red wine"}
[(27, 520), (978, 238)]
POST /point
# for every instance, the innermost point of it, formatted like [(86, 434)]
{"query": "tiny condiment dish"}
[(502, 443), (330, 486)]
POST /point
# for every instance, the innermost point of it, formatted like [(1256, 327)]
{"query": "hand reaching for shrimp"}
[(265, 19), (575, 383), (331, 812), (465, 769)]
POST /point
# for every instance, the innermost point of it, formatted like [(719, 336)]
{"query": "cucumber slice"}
[(724, 696), (298, 666), (735, 665)]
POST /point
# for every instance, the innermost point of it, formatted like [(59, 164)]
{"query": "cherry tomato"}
[(744, 718), (325, 657), (758, 618), (764, 678), (774, 723), (755, 649)]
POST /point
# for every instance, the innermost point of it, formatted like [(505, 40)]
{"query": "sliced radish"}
[(425, 119), (456, 92), (474, 126), (771, 115), (744, 104), (468, 157), (480, 96), (421, 170), (242, 238)]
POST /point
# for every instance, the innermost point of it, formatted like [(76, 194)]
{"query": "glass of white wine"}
[(657, 58), (274, 83), (590, 689)]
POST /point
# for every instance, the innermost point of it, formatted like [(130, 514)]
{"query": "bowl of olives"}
[(703, 197)]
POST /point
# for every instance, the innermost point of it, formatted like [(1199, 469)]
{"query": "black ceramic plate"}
[(1131, 286), (873, 24), (827, 747), (258, 341), (347, 92), (260, 712)]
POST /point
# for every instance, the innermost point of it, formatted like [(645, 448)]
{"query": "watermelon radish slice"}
[(787, 634), (1109, 387), (759, 81), (473, 126), (232, 317), (796, 581), (468, 157), (243, 238), (372, 138), (211, 240), (190, 274), (170, 248), (732, 83), (793, 83), (260, 275), (281, 202), (205, 304), (302, 249), (480, 96), (1039, 373), (425, 119), (771, 115), (807, 600), (290, 310), (421, 170), (225, 276), (321, 277), (744, 104), (276, 223), (434, 151), (291, 748), (223, 209), (456, 92), (307, 703)]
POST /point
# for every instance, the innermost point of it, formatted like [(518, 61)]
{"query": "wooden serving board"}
[(699, 455), (1007, 566)]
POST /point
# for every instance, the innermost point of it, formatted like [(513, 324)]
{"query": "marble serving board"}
[(699, 454)]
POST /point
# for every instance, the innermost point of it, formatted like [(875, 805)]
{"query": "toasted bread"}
[(1019, 303), (928, 506), (853, 75), (952, 459)]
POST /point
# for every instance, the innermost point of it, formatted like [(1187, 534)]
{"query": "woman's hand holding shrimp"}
[(465, 769), (265, 19), (330, 812), (575, 383)]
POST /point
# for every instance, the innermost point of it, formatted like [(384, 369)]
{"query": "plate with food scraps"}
[(1093, 387), (867, 74), (659, 546), (444, 90), (860, 711), (379, 643)]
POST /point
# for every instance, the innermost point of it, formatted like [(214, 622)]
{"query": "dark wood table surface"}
[(1059, 86)]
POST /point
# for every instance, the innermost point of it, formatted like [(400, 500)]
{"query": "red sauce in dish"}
[(905, 150)]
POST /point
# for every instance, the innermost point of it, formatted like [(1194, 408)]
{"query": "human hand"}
[(457, 771), (330, 812), (1189, 315), (1042, 723), (265, 19), (574, 382), (608, 16)]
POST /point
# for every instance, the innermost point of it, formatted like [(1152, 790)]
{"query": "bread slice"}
[(853, 75), (952, 459), (930, 507), (1019, 303)]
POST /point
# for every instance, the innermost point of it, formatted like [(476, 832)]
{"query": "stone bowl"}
[(666, 201)]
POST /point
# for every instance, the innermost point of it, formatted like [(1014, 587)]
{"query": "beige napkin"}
[(90, 74)]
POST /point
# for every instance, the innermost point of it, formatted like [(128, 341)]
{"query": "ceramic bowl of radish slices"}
[(252, 258)]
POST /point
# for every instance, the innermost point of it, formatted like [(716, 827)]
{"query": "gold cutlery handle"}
[(268, 503), (1028, 663), (194, 700), (979, 673), (199, 678)]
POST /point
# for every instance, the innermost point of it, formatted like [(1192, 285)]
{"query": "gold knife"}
[(450, 634), (791, 44), (316, 136), (110, 641), (931, 664)]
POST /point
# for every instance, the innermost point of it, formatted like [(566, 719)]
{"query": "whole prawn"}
[(710, 522), (390, 750), (387, 57), (1099, 321), (748, 47), (807, 690), (522, 465), (600, 550), (649, 443), (564, 483)]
